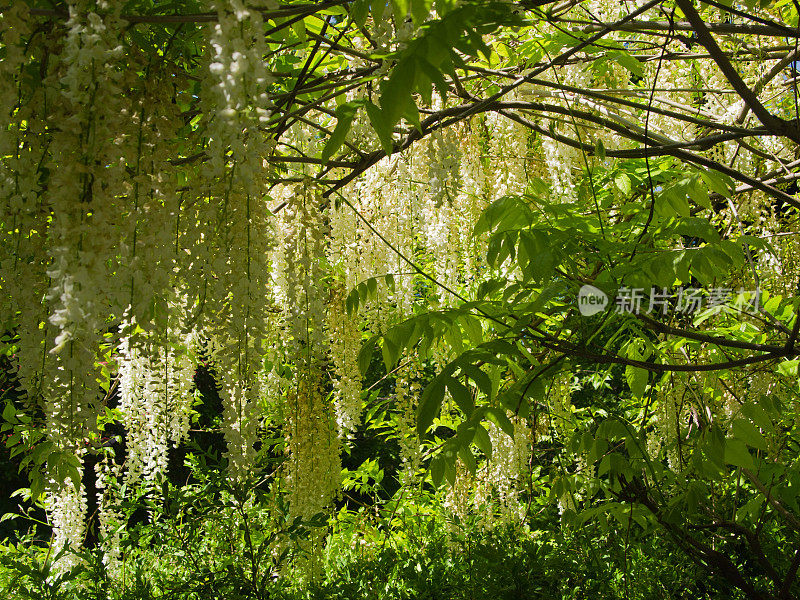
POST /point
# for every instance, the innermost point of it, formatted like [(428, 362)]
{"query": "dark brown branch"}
[(734, 11), (791, 575), (769, 181), (697, 550), (661, 150), (767, 77), (202, 157), (640, 106), (327, 82), (620, 128), (344, 50), (752, 541), (775, 124), (572, 350), (792, 520), (723, 28), (710, 339), (557, 61), (316, 105)]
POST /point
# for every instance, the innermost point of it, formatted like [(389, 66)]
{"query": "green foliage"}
[(38, 457), (639, 450), (712, 466)]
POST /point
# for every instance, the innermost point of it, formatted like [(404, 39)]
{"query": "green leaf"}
[(536, 259), (628, 62), (483, 441), (299, 28), (479, 44), (623, 183), (747, 432), (637, 380), (498, 416), (377, 7), (444, 6), (358, 12), (429, 404), (757, 414), (480, 378), (487, 288), (352, 302), (9, 412), (600, 150), (461, 395), (758, 243), (449, 459), (717, 182), (420, 9), (365, 354), (468, 458), (372, 288), (400, 8), (411, 115), (677, 201), (715, 446), (699, 194), (527, 391), (41, 452), (396, 93), (733, 250), (433, 74), (381, 126), (437, 470), (472, 327), (344, 120), (37, 486), (397, 339), (737, 454), (391, 352)]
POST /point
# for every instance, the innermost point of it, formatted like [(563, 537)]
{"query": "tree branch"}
[(775, 124)]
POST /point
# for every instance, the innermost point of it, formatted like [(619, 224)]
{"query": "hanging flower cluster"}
[(86, 167), (238, 93), (66, 510), (407, 392), (345, 343), (155, 399), (314, 465)]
